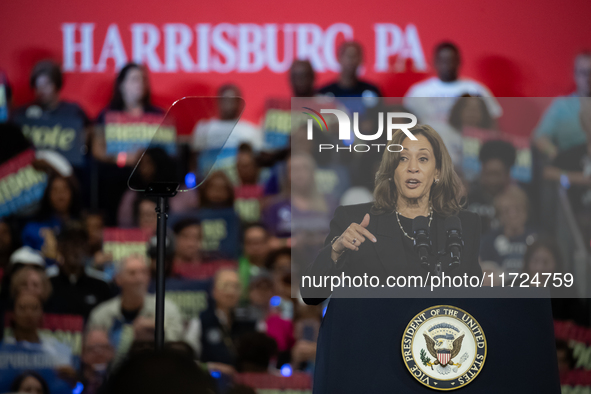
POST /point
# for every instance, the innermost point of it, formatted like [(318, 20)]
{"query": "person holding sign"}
[(51, 123), (131, 96)]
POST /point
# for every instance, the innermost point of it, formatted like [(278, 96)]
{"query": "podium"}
[(359, 347)]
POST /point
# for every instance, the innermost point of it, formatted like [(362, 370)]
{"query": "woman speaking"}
[(367, 345)]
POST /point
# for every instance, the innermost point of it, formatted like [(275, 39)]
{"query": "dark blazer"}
[(359, 344), (386, 256)]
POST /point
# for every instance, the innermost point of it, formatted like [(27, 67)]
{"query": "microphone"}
[(455, 243), (422, 242)]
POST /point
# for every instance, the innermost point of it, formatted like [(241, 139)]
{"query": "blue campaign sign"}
[(61, 130), (16, 358), (221, 231)]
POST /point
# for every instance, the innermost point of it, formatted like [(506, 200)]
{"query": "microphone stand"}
[(161, 190)]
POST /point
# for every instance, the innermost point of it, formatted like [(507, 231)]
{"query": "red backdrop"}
[(517, 48)]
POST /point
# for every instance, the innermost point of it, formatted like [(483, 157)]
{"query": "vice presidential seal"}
[(444, 347)]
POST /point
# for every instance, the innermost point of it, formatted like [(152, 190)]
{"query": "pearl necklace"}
[(402, 229)]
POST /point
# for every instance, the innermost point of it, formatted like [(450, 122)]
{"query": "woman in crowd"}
[(469, 111), (131, 95), (131, 98), (60, 204), (25, 332), (48, 108), (144, 214), (29, 382)]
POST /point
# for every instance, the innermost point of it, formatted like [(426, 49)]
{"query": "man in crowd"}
[(350, 55), (221, 326), (301, 78), (432, 99), (496, 158), (97, 355), (560, 127), (76, 289), (256, 250), (133, 311)]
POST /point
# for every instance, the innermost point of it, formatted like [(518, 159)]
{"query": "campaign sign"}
[(202, 270), (59, 132), (277, 123), (190, 296), (220, 231), (20, 184), (474, 138), (247, 202), (126, 133), (123, 242)]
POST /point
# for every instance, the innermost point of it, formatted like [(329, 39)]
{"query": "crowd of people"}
[(89, 315)]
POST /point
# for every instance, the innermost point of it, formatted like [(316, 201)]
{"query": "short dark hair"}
[(184, 223), (248, 226), (446, 45), (498, 149), (72, 233), (272, 258), (229, 86), (255, 350), (117, 103), (547, 243), (49, 68), (343, 47), (16, 383), (165, 371)]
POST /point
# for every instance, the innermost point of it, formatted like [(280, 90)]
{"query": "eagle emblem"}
[(444, 342)]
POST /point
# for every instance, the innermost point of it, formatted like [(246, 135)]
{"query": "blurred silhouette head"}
[(133, 276), (350, 57), (28, 311), (216, 191), (226, 289), (97, 350), (246, 165), (512, 207), (31, 280), (157, 372), (46, 80), (470, 112), (61, 198), (188, 236), (583, 74), (447, 61), (72, 246), (496, 157), (301, 77), (542, 256), (256, 243), (255, 351), (230, 104), (29, 382), (131, 88)]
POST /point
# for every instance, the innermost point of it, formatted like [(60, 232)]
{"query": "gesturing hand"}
[(353, 236)]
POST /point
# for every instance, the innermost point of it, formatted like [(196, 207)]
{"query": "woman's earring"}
[(437, 180)]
